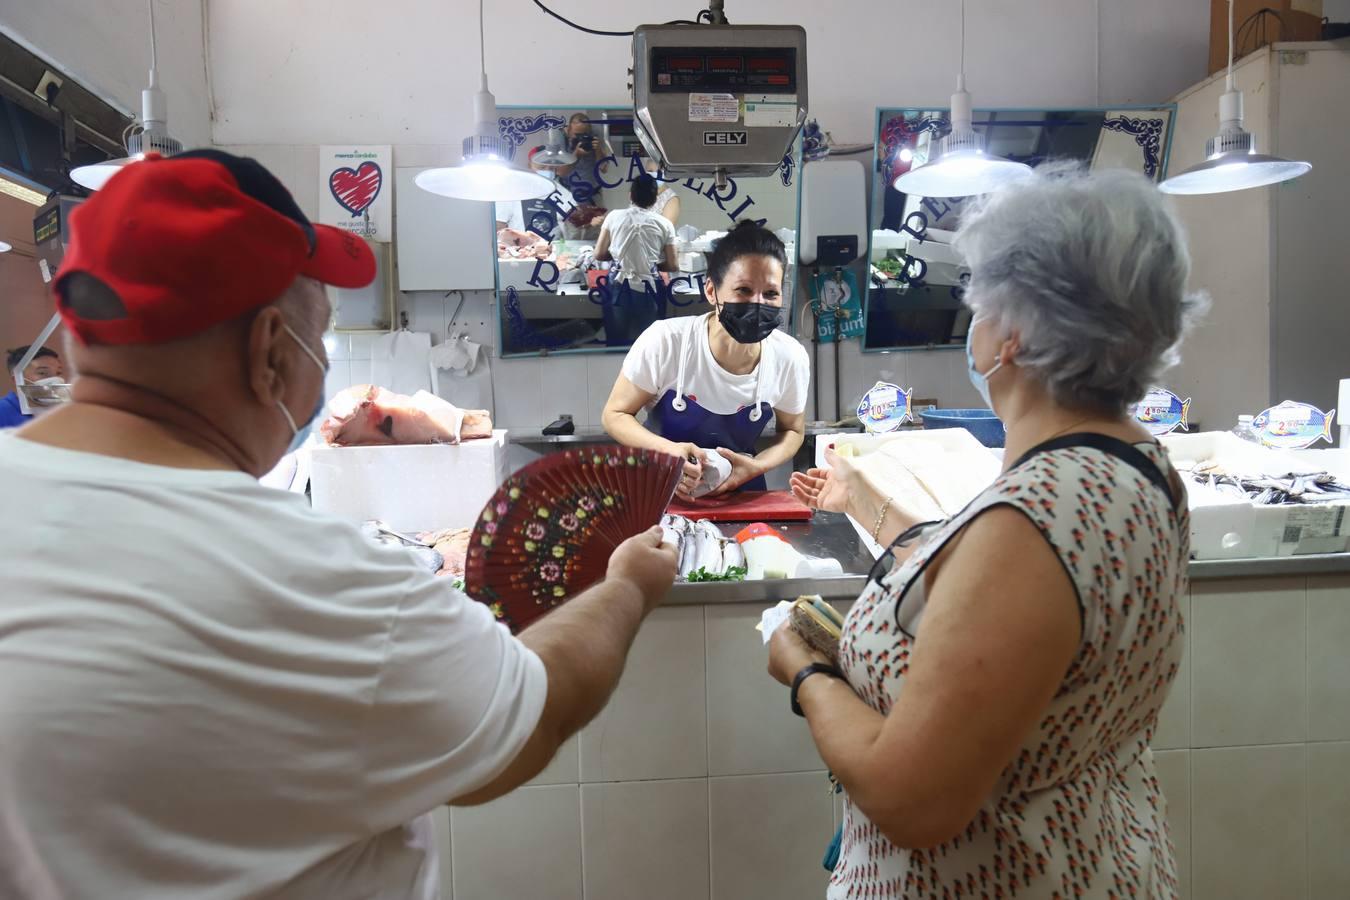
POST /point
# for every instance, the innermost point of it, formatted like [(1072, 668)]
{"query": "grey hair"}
[(1090, 269)]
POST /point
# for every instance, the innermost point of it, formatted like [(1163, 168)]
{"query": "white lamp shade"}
[(4, 247), (1234, 172), (555, 154), (95, 176), (484, 180), (961, 173)]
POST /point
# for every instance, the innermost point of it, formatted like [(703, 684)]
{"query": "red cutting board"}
[(744, 506)]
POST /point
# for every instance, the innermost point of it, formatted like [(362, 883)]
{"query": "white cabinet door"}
[(442, 244)]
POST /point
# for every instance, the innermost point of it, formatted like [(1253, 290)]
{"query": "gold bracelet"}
[(881, 517)]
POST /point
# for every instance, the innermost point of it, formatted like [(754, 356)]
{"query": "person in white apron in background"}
[(711, 383)]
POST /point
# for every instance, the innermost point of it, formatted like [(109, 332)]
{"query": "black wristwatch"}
[(807, 672)]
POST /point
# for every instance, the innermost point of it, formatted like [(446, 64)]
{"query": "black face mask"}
[(749, 323)]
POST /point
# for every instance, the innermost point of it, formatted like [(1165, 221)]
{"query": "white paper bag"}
[(398, 362)]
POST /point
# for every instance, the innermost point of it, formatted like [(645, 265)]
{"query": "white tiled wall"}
[(1258, 787), (698, 783), (1249, 823)]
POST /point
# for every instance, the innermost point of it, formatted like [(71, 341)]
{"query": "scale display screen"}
[(723, 70)]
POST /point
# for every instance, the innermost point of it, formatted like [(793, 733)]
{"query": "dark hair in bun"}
[(748, 238)]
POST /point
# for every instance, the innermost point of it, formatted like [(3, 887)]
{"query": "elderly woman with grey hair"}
[(999, 680)]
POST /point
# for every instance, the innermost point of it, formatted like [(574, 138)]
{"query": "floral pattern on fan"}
[(549, 530)]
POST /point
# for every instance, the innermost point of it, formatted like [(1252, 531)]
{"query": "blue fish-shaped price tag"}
[(885, 408), (1293, 426), (1162, 412)]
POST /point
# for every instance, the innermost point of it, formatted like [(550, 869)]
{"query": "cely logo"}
[(724, 138)]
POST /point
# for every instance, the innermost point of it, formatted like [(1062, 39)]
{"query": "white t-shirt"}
[(673, 354), (638, 239), (209, 690), (663, 200)]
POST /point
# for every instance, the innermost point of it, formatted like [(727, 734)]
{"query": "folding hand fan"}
[(549, 530)]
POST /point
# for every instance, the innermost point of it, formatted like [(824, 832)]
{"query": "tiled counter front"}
[(697, 783)]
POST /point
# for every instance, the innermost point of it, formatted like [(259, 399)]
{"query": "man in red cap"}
[(207, 688)]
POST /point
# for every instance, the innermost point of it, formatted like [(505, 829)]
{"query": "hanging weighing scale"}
[(720, 100)]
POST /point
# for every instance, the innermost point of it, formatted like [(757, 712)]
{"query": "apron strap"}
[(755, 412), (678, 402)]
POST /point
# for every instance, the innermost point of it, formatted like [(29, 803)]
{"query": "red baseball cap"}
[(194, 240)]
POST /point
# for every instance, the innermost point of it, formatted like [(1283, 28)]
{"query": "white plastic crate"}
[(1234, 528), (411, 488)]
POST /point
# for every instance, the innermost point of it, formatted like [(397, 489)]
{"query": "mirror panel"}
[(552, 296), (915, 283)]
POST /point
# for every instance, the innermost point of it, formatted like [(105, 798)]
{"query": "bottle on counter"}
[(1245, 430)]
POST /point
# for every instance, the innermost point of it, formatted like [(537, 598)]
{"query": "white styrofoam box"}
[(1224, 527), (946, 438), (419, 487)]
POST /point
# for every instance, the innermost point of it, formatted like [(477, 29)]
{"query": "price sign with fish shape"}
[(885, 408), (1163, 412), (1293, 426), (353, 191)]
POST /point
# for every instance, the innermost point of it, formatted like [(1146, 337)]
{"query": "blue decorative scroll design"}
[(929, 123), (786, 168), (515, 128), (1147, 133)]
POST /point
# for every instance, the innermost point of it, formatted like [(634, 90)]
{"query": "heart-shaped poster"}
[(355, 189)]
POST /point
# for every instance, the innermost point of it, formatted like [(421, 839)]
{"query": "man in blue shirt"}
[(46, 364)]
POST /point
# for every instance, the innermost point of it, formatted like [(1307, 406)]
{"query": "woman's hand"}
[(789, 654), (694, 458), (743, 468), (826, 489)]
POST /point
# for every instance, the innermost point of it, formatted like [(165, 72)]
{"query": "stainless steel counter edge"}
[(847, 588)]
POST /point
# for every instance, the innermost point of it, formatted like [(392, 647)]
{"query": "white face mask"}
[(48, 382), (300, 434)]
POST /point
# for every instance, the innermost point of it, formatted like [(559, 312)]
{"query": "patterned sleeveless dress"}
[(1078, 813)]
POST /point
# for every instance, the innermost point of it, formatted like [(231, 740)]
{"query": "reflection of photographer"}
[(583, 142)]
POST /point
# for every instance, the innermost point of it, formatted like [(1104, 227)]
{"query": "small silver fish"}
[(732, 556), (708, 544)]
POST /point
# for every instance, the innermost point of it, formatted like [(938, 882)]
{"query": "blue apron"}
[(677, 417)]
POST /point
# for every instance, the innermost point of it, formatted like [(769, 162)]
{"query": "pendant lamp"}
[(555, 154), (962, 167), (152, 136), (1231, 161), (485, 173)]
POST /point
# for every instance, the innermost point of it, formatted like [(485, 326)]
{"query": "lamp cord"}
[(154, 49), (1229, 82), (963, 44), (482, 53), (603, 33)]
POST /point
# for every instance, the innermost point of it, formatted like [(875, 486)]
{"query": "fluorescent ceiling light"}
[(21, 192), (1231, 161), (153, 135), (962, 167), (486, 172)]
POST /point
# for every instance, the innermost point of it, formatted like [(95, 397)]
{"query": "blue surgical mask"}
[(978, 379), (300, 434)]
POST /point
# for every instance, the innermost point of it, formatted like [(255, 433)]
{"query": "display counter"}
[(833, 535)]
